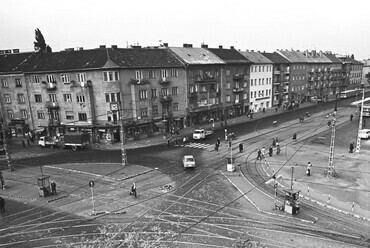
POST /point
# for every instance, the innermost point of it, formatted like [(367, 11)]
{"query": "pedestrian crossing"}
[(200, 145)]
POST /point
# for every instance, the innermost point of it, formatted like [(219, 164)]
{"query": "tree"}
[(40, 44), (367, 76)]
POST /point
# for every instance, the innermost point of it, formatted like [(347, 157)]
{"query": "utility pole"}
[(116, 107), (358, 145), (331, 171)]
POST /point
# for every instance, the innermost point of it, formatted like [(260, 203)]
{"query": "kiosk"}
[(291, 203), (43, 182), (230, 164)]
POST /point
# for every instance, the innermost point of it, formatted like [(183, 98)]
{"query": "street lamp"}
[(358, 145), (331, 171)]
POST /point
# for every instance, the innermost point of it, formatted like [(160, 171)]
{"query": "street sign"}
[(91, 183)]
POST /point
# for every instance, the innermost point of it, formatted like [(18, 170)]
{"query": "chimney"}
[(165, 44), (204, 46), (252, 51), (69, 49), (220, 46), (102, 46), (114, 46), (190, 45), (80, 48), (185, 45), (15, 50), (231, 47)]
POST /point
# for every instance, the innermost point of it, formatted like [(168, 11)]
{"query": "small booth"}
[(43, 183), (291, 203), (230, 164)]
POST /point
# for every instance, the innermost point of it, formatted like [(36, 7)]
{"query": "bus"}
[(349, 93)]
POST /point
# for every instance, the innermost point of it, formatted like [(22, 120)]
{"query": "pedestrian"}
[(270, 151), (133, 190), (351, 147), (23, 143), (53, 188), (329, 123), (277, 149), (240, 147), (264, 110), (351, 117), (2, 205), (216, 146), (263, 151), (295, 137), (2, 180), (230, 144), (273, 142), (28, 141), (308, 172), (259, 156)]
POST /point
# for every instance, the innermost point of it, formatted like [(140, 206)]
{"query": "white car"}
[(188, 161), (364, 133)]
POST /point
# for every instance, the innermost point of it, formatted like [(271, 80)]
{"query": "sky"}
[(342, 27)]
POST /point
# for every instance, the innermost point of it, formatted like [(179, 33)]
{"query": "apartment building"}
[(205, 99), (237, 76), (280, 80), (260, 88), (353, 71)]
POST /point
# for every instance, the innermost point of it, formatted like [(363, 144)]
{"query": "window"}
[(251, 82), (112, 97), (155, 109), (151, 73), (50, 78), (191, 88), (175, 106), (52, 97), (40, 114), (203, 88), (227, 72), (143, 94), (164, 73), (251, 94), (144, 112), (138, 75), (10, 114), (228, 99), (38, 98), (18, 83), (245, 95), (259, 81), (175, 90), (24, 114), (164, 92), (21, 98), (81, 77), (259, 68), (69, 115), (65, 78), (35, 79), (80, 98), (154, 93), (228, 85), (67, 97), (4, 83), (109, 76), (82, 116), (174, 73), (7, 98)]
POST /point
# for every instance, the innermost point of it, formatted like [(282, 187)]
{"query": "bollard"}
[(353, 206), (329, 199), (308, 191)]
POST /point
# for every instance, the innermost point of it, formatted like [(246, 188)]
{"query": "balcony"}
[(276, 72), (238, 89), (51, 105), (209, 78), (54, 122), (166, 99), (193, 94), (276, 93), (277, 83), (51, 86), (238, 77), (286, 71), (164, 81), (198, 79)]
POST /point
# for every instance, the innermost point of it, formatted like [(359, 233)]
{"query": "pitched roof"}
[(256, 57), (333, 58), (230, 55), (276, 58), (15, 62), (196, 56), (293, 56), (316, 57), (143, 58)]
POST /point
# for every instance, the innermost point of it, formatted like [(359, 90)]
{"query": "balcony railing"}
[(166, 98), (198, 79), (51, 86), (207, 78), (238, 77), (164, 80), (238, 89), (54, 122), (276, 72), (50, 105)]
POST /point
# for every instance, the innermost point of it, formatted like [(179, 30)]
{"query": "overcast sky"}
[(264, 25)]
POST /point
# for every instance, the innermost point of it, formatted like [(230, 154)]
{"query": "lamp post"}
[(331, 171), (358, 145), (116, 107)]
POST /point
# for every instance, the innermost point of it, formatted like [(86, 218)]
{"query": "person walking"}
[(216, 146), (2, 180), (270, 151), (277, 148), (263, 151), (259, 156), (351, 117), (218, 141), (2, 205), (295, 137), (53, 188), (23, 143), (308, 172), (240, 147), (133, 190), (351, 147)]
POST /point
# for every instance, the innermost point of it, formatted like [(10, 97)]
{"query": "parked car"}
[(364, 133), (47, 141), (188, 161)]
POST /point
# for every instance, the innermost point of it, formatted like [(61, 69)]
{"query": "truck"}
[(74, 141), (201, 134), (47, 141)]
